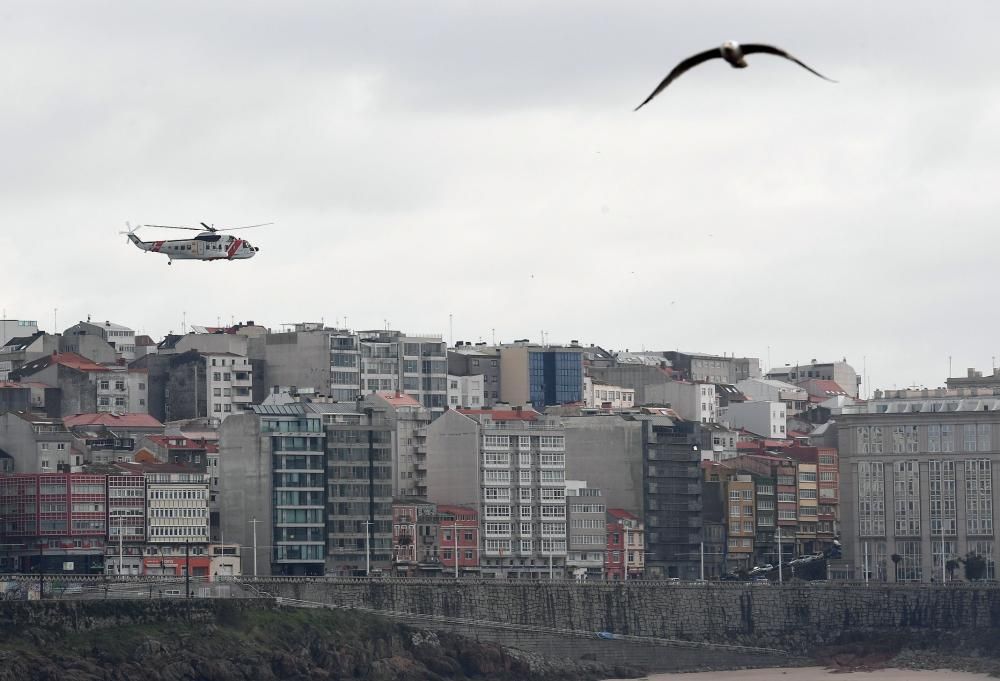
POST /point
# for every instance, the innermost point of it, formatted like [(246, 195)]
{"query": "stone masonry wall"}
[(790, 618)]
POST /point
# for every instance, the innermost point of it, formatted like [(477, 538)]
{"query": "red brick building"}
[(54, 520), (458, 531)]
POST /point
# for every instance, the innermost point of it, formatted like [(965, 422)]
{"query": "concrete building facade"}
[(918, 483), (120, 338), (510, 465), (466, 392), (766, 419), (588, 531), (478, 360), (840, 372), (13, 328)]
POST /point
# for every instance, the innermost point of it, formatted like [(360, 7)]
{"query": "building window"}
[(947, 438), (908, 567), (979, 497), (871, 499), (906, 491), (985, 437), (970, 437), (934, 438)]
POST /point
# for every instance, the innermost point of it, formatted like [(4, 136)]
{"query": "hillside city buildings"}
[(315, 450)]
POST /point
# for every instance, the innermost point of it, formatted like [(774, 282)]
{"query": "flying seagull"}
[(733, 53)]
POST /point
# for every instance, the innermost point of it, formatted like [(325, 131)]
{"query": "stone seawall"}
[(93, 615), (791, 618)]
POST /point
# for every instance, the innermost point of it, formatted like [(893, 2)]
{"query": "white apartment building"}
[(766, 419), (229, 384), (121, 338), (692, 401), (16, 328), (466, 392), (795, 398), (177, 505), (600, 395), (123, 390), (510, 464)]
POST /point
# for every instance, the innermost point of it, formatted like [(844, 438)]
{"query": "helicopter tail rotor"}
[(130, 230)]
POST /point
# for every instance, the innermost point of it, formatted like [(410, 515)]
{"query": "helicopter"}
[(209, 244)]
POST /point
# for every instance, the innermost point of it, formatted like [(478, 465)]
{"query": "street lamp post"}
[(254, 522), (368, 555)]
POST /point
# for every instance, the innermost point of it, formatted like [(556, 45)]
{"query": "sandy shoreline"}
[(818, 674)]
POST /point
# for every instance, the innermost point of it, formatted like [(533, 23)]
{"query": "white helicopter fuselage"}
[(205, 246)]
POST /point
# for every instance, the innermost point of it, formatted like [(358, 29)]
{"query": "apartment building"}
[(510, 466), (470, 360), (86, 386), (588, 535), (466, 392), (177, 518), (316, 481), (917, 471), (53, 522), (600, 395), (625, 553), (344, 365), (126, 524), (541, 375), (840, 372), (415, 539), (458, 540)]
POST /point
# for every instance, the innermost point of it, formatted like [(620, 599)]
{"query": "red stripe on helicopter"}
[(156, 247), (234, 247)]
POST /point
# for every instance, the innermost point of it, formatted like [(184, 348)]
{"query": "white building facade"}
[(766, 419), (466, 392), (229, 384), (598, 395)]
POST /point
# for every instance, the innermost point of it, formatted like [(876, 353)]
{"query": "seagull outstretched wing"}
[(685, 65), (778, 52)]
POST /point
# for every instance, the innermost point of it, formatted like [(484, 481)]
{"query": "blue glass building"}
[(555, 376)]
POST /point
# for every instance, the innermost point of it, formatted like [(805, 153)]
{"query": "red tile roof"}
[(78, 362), (398, 399), (503, 415), (112, 420), (622, 513), (822, 386)]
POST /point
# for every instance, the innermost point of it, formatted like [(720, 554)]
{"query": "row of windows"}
[(179, 531), (190, 494), (940, 438)]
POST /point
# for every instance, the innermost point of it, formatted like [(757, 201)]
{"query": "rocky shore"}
[(973, 651), (243, 644)]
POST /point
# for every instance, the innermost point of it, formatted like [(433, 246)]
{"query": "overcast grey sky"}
[(483, 160)]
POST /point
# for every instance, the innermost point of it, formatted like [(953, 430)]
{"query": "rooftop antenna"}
[(55, 320), (451, 331), (493, 331), (184, 317), (949, 366)]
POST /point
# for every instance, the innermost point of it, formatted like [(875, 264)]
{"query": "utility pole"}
[(454, 531), (550, 566), (702, 558), (121, 549), (781, 579), (254, 522), (187, 568)]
